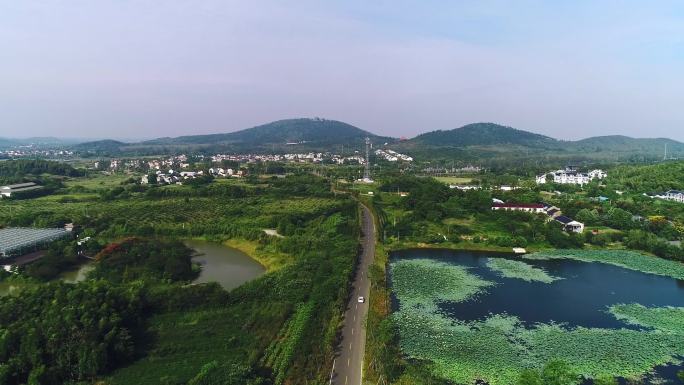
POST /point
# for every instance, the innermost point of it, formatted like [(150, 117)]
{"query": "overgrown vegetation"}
[(425, 282), (623, 258), (144, 259), (279, 328), (670, 319), (502, 350), (509, 268), (58, 333)]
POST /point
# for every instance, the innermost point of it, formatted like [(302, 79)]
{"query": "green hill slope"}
[(484, 134), (302, 131)]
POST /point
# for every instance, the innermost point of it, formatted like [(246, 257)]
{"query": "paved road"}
[(348, 364)]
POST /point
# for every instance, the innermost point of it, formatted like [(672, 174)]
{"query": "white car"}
[(362, 300)]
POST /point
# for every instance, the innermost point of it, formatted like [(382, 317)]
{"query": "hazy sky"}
[(149, 68)]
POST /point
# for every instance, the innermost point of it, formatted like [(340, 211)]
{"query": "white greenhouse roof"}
[(17, 238)]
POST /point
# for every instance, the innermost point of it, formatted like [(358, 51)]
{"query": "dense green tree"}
[(529, 377), (606, 381), (558, 372)]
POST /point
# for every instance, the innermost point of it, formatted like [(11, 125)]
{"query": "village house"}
[(569, 224), (552, 212), (674, 195), (536, 208)]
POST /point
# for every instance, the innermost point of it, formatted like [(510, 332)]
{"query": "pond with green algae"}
[(487, 316)]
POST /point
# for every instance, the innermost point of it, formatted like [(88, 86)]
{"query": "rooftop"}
[(18, 186), (563, 219), (519, 205), (17, 238)]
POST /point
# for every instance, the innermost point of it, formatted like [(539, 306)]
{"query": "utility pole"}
[(366, 171)]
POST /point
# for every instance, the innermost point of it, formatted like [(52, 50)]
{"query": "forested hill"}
[(301, 131), (24, 167), (35, 170), (477, 134), (493, 143), (627, 144), (102, 147), (478, 142), (290, 135)]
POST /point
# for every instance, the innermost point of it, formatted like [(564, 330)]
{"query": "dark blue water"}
[(580, 299)]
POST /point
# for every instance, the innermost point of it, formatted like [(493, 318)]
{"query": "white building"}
[(536, 208), (571, 176), (392, 156), (569, 224), (597, 174), (674, 195)]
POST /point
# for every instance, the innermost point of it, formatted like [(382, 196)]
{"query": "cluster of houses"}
[(311, 157), (220, 172), (553, 213), (452, 170), (175, 177), (13, 189), (466, 187), (180, 161), (158, 164), (571, 175), (392, 156), (28, 151)]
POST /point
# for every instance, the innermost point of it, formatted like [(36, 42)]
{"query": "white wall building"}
[(571, 176), (674, 195), (536, 208)]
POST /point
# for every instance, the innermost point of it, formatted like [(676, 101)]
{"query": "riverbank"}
[(266, 255), (467, 246)]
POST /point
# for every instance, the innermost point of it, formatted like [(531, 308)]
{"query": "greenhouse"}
[(18, 241)]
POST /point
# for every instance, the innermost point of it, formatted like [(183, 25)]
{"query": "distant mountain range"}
[(479, 134), (36, 141), (282, 135), (293, 131), (477, 140), (494, 139)]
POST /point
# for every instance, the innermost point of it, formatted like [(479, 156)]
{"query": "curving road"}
[(348, 364)]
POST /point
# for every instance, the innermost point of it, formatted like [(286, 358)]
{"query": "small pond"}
[(225, 265)]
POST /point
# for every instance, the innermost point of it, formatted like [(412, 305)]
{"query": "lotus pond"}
[(487, 316)]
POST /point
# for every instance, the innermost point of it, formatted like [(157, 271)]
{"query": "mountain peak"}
[(475, 134), (312, 131)]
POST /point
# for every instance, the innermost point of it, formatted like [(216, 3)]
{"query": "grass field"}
[(98, 181), (454, 179)]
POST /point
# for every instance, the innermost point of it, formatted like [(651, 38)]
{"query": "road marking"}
[(345, 380), (354, 317), (352, 331), (332, 371), (356, 306), (349, 348), (347, 361)]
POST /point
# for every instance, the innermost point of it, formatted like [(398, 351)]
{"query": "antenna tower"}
[(366, 171), (665, 157)]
